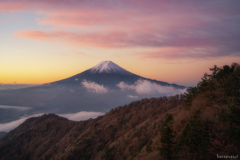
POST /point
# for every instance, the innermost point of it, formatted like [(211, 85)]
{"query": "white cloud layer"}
[(5, 127), (131, 96), (83, 115), (14, 107), (15, 86), (94, 87), (147, 87)]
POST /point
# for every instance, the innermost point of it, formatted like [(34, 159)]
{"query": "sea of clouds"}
[(94, 87), (147, 87), (140, 87), (15, 86), (79, 116)]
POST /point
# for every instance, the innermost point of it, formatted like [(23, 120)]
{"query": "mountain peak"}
[(109, 67)]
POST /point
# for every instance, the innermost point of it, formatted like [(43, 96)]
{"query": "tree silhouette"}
[(167, 144)]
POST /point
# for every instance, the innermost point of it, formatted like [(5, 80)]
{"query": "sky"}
[(42, 41)]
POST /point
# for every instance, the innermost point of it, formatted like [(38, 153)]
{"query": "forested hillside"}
[(201, 124)]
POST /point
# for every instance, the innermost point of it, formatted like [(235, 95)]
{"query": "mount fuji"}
[(99, 89), (109, 67), (109, 74)]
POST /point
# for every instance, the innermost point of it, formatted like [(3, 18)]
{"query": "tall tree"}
[(167, 144)]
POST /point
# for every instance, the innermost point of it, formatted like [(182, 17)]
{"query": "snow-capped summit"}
[(108, 74), (109, 67)]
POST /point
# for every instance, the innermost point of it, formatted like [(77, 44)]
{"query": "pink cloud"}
[(107, 40), (2, 20), (172, 53), (114, 14), (6, 6), (38, 35), (190, 29), (78, 52), (78, 18), (115, 39), (30, 5)]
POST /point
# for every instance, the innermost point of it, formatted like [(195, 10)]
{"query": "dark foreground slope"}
[(2, 134), (201, 124), (48, 136)]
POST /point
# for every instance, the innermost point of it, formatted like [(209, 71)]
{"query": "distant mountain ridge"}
[(97, 89)]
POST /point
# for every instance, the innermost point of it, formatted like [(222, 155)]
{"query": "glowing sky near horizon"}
[(173, 41)]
